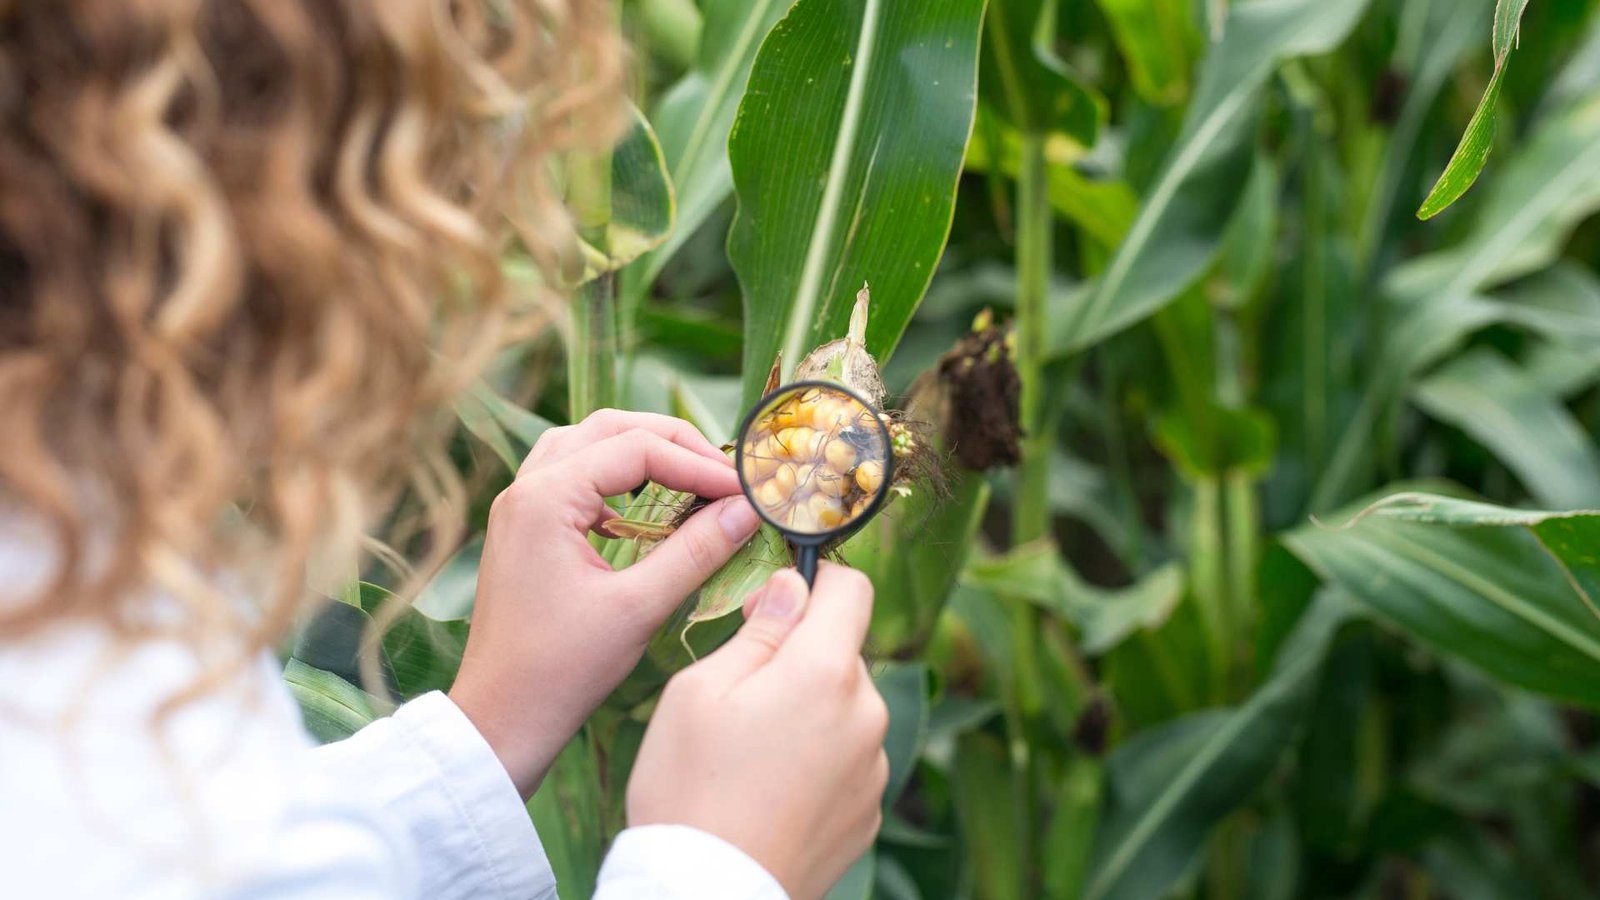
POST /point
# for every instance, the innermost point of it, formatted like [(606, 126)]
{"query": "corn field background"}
[(1287, 588)]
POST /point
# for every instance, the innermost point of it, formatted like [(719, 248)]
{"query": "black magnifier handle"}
[(805, 559)]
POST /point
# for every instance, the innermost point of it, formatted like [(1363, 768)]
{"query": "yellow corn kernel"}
[(796, 443), (770, 497), (784, 479), (832, 483), (828, 512), (841, 456), (760, 461), (801, 519), (869, 476)]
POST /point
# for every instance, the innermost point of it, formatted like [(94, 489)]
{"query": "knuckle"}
[(641, 437), (605, 415), (510, 502), (550, 438)]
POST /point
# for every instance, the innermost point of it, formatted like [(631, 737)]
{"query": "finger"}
[(691, 554), (559, 443), (837, 616), (778, 606), (622, 462)]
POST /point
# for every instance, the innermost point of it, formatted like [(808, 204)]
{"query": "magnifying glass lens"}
[(813, 459)]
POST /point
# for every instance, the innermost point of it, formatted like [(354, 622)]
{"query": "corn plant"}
[(1258, 347)]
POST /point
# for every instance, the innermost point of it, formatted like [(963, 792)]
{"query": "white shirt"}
[(229, 797)]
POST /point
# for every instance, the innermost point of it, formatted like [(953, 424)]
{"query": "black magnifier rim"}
[(848, 528)]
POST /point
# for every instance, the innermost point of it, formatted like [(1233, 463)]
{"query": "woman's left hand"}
[(554, 628)]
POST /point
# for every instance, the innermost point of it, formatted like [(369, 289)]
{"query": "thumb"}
[(771, 613), (679, 565)]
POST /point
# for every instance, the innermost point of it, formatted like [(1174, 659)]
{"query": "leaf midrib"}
[(803, 310), (1505, 600)]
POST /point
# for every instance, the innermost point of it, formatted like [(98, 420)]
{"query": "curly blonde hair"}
[(249, 250)]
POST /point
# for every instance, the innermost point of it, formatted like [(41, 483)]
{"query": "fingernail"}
[(737, 518), (783, 596)]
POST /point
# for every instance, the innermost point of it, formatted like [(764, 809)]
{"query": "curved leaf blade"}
[(845, 156), (1473, 151), (642, 203), (333, 709), (1494, 596)]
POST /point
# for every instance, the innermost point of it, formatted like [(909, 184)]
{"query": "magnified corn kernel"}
[(840, 455), (832, 483), (869, 476), (784, 479), (829, 512), (769, 496)]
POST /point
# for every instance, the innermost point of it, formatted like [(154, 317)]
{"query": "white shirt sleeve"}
[(435, 775), (676, 862), (431, 773)]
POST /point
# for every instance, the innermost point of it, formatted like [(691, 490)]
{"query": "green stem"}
[(592, 356), (1031, 512), (1241, 520), (1210, 580), (1030, 515)]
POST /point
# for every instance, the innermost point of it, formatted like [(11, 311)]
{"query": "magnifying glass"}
[(814, 458)]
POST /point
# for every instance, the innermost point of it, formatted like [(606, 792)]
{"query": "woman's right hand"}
[(774, 743)]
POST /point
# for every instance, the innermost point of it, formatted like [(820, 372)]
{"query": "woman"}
[(248, 253)]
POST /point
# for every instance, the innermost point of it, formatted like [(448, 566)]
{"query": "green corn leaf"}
[(845, 157), (333, 709), (904, 687), (1168, 786), (567, 813), (1158, 41), (1104, 618), (913, 553), (693, 121), (1024, 81), (1540, 194), (990, 816), (1102, 208), (1510, 591), (506, 428), (639, 203), (1434, 35), (1473, 151), (1528, 429), (419, 654), (1176, 234)]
